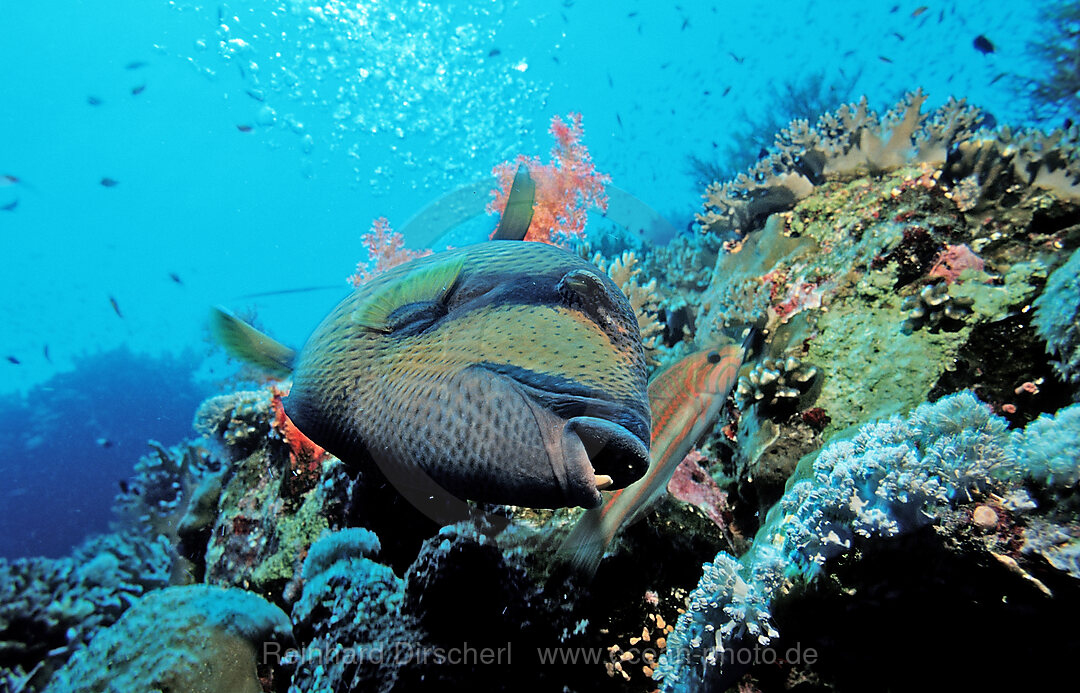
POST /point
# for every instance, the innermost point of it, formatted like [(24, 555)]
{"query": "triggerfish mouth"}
[(686, 399), (505, 372)]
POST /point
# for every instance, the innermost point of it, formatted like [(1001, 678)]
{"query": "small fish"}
[(10, 206), (618, 120), (898, 35), (8, 179), (502, 372), (983, 44), (919, 10), (12, 359), (727, 90), (686, 399), (115, 306), (109, 182), (736, 58), (883, 59), (135, 91), (255, 94), (631, 15), (104, 442), (45, 353), (243, 128), (494, 52), (93, 100), (176, 278), (685, 24), (135, 65)]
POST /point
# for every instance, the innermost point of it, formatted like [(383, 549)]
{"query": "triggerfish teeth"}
[(503, 372)]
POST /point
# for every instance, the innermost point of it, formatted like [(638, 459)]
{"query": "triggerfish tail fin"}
[(244, 342), (518, 214)]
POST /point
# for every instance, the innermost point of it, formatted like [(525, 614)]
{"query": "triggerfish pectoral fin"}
[(518, 214), (244, 342), (686, 399)]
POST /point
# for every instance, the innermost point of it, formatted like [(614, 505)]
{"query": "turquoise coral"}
[(891, 478), (1057, 318)]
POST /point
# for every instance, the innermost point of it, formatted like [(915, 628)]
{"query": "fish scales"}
[(519, 379)]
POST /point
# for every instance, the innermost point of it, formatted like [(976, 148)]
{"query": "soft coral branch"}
[(565, 188), (386, 249)]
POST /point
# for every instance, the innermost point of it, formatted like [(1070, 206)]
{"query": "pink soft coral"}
[(565, 188), (386, 249), (954, 260)]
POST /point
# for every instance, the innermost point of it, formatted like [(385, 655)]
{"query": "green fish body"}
[(504, 372)]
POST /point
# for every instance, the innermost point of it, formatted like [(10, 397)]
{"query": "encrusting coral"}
[(196, 638)]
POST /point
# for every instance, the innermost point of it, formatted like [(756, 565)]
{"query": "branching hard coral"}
[(1057, 318), (386, 249), (565, 188)]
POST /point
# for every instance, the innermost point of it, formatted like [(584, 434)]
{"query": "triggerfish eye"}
[(504, 372)]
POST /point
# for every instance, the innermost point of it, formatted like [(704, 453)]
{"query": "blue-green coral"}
[(1057, 318), (892, 477), (195, 638)]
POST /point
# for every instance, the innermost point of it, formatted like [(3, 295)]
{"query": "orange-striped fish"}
[(686, 399)]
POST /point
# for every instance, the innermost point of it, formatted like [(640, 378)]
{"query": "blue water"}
[(252, 143)]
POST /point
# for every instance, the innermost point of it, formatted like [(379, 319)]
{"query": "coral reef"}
[(50, 607), (893, 478), (349, 618), (194, 638), (386, 249), (565, 188), (1057, 318)]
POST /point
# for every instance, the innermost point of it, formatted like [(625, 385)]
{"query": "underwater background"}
[(908, 267)]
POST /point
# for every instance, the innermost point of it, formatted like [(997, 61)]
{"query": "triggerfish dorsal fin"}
[(518, 214), (244, 342), (429, 283)]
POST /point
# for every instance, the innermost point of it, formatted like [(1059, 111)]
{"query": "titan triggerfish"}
[(506, 372)]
